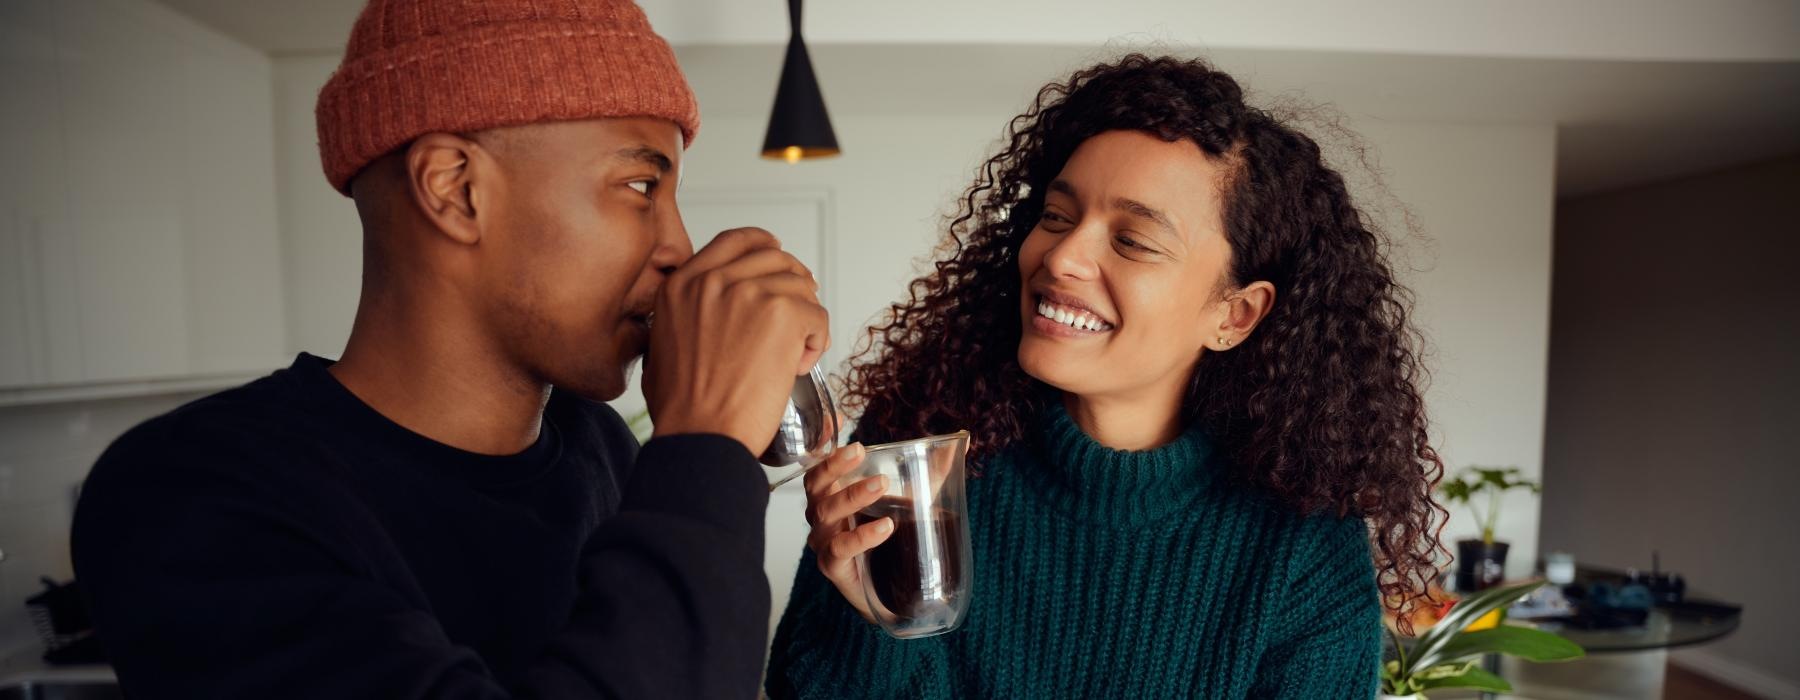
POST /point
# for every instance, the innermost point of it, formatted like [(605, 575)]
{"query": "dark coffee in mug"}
[(907, 574)]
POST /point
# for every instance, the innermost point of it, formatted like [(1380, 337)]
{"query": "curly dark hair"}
[(1321, 408)]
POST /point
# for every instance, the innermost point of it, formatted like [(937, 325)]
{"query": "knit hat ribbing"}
[(415, 67)]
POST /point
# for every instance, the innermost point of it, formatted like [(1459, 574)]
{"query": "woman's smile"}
[(1065, 316)]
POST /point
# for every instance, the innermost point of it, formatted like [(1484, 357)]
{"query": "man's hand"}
[(733, 327)]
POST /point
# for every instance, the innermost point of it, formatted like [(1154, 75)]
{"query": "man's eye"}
[(642, 186)]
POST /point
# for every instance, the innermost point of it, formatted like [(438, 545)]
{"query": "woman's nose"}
[(1072, 257)]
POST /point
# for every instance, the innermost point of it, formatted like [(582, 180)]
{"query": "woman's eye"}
[(1128, 243), (642, 186)]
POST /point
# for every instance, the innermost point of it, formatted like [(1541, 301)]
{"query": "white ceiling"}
[(1641, 90), (277, 26), (1667, 30)]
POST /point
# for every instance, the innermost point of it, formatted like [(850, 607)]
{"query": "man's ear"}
[(441, 173)]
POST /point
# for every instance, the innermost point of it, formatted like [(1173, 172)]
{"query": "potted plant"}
[(1449, 654), (639, 425), (1482, 563)]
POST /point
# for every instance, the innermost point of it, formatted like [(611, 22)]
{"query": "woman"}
[(1195, 401)]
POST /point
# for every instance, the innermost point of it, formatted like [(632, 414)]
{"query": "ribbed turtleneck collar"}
[(1095, 483)]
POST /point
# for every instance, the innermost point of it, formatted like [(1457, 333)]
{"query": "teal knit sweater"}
[(1106, 573)]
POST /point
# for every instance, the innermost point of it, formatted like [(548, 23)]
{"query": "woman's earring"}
[(1225, 341)]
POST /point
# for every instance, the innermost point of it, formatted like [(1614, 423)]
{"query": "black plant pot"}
[(1479, 565)]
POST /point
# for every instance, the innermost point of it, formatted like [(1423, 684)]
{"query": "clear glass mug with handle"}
[(808, 432), (917, 582)]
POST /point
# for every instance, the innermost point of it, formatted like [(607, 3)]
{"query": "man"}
[(428, 517)]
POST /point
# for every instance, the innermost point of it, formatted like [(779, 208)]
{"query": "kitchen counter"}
[(27, 664)]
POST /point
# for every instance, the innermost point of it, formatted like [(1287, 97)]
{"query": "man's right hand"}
[(734, 326)]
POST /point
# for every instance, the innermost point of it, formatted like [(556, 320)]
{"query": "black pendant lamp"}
[(799, 128)]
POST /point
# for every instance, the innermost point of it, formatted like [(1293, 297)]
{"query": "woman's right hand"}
[(830, 509)]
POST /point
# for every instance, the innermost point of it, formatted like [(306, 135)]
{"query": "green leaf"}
[(1399, 650), (1444, 670), (1477, 479), (1523, 642), (1473, 677), (1392, 682), (1427, 652), (1494, 481)]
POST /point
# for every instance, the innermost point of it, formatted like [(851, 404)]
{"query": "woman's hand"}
[(829, 509)]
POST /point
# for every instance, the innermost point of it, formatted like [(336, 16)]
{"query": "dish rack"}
[(61, 617)]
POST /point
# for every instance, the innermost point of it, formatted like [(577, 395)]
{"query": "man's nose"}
[(674, 248)]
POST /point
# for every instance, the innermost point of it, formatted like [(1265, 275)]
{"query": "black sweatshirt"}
[(283, 539)]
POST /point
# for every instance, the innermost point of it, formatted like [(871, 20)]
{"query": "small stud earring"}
[(1225, 341)]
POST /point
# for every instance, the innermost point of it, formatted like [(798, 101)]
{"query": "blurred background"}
[(1595, 202)]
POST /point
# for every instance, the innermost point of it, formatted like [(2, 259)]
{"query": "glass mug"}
[(917, 581), (808, 432)]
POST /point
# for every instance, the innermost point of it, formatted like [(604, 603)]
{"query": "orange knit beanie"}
[(414, 67)]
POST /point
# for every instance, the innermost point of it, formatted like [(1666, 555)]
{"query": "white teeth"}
[(1072, 319)]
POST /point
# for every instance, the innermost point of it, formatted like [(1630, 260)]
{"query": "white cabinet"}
[(29, 107), (39, 330), (122, 88), (137, 202)]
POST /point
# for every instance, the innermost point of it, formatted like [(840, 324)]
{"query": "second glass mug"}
[(917, 582), (808, 432)]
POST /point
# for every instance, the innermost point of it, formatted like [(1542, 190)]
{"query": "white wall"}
[(321, 238), (1482, 193), (1672, 378), (1484, 196)]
